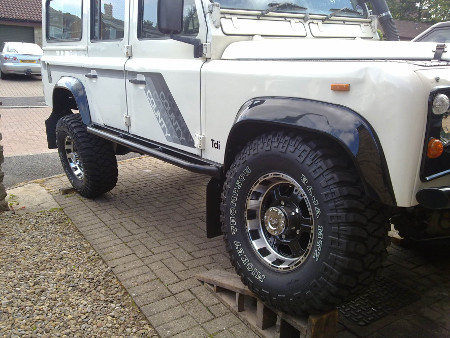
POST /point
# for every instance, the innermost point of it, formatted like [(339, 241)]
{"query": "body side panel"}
[(389, 95)]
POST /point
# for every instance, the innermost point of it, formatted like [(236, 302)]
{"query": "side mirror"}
[(170, 16)]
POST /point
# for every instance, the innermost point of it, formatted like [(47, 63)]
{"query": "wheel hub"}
[(279, 221), (73, 158), (275, 221)]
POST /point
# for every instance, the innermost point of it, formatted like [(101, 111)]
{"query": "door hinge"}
[(127, 120), (128, 51), (207, 50), (200, 141)]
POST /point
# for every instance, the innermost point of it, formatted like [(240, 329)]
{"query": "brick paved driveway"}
[(23, 131), (151, 230), (21, 86), (23, 128)]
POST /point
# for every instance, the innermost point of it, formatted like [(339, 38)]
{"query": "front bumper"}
[(434, 198)]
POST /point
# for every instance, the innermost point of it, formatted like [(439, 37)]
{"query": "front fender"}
[(350, 130)]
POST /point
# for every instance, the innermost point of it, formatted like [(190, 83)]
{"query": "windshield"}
[(349, 8), (23, 48)]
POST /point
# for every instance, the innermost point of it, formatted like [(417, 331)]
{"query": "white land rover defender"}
[(314, 132)]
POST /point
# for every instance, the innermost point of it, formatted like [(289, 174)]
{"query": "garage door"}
[(16, 33)]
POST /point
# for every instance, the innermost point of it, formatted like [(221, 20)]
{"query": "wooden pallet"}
[(265, 321)]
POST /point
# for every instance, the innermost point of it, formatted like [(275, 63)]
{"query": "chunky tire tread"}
[(359, 225), (96, 154)]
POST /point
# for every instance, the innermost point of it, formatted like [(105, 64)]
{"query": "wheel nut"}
[(298, 232), (282, 202), (283, 236)]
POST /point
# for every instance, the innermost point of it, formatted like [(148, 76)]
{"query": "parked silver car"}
[(20, 58)]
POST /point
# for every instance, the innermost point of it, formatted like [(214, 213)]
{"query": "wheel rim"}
[(73, 158), (279, 221)]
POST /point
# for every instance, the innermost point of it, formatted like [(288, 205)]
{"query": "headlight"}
[(441, 104)]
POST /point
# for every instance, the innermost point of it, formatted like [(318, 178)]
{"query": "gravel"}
[(53, 283)]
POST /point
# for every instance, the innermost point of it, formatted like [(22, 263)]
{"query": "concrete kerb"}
[(21, 107)]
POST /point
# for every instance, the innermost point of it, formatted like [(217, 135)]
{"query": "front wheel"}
[(297, 225), (89, 161)]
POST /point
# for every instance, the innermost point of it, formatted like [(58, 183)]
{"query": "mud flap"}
[(213, 200)]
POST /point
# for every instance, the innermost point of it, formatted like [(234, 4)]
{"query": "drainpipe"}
[(381, 10)]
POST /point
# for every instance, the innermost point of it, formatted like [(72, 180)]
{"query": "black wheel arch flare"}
[(341, 124), (76, 87), (65, 87)]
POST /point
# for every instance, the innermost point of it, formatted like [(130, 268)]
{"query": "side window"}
[(108, 19), (148, 24), (438, 35), (190, 18), (64, 20)]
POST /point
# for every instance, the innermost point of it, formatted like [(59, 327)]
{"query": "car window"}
[(148, 24), (64, 20), (438, 35), (108, 19), (24, 48)]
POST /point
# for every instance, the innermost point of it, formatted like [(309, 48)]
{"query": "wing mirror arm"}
[(197, 43)]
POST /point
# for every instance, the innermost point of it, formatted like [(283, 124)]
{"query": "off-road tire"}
[(348, 240), (96, 162)]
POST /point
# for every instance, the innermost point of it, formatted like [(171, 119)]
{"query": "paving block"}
[(160, 306), (176, 326)]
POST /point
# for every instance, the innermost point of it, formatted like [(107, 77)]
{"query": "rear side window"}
[(64, 20), (108, 19), (438, 35), (148, 24)]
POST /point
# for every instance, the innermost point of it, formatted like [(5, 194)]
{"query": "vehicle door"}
[(107, 51), (163, 78)]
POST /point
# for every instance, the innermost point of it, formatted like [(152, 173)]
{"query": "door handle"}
[(91, 76), (138, 82)]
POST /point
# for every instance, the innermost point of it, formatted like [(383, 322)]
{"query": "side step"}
[(263, 320), (183, 160)]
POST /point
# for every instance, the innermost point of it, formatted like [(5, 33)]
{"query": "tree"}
[(431, 11)]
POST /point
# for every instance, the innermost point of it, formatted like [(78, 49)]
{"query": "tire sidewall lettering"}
[(247, 264), (234, 197)]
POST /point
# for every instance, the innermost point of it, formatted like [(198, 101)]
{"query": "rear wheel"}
[(2, 75), (297, 225), (89, 161)]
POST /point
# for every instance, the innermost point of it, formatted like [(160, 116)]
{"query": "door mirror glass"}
[(170, 16)]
